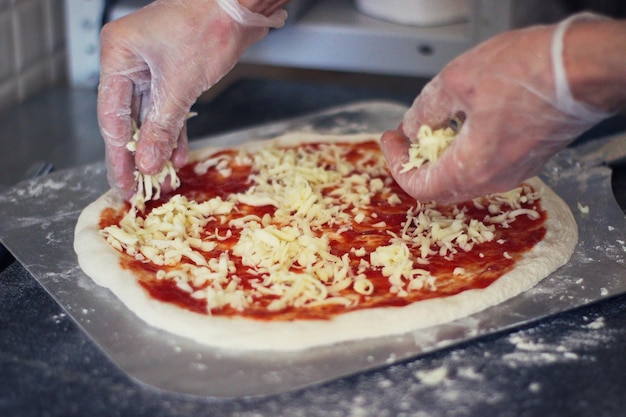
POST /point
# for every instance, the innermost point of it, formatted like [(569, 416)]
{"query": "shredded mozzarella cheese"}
[(317, 195)]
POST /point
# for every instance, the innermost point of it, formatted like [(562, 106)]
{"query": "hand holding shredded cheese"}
[(149, 186), (429, 146), (190, 46), (515, 120)]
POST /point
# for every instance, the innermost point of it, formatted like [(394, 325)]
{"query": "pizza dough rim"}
[(101, 262)]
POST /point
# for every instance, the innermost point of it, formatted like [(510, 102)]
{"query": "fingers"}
[(503, 91), (155, 147), (163, 135), (121, 100), (156, 143), (181, 153), (162, 56), (395, 147), (120, 170), (420, 183), (434, 106), (459, 175), (114, 118)]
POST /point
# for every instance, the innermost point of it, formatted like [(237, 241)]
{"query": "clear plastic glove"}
[(155, 63), (513, 97)]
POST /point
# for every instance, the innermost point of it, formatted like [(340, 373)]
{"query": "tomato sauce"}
[(483, 265)]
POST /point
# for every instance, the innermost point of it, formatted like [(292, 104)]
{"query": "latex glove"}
[(155, 63), (513, 95)]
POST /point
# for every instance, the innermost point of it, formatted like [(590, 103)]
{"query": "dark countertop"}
[(571, 364)]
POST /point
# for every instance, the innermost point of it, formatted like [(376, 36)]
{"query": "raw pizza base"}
[(101, 262)]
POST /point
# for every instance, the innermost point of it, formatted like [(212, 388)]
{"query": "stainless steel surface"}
[(38, 224), (610, 150), (37, 169), (58, 126)]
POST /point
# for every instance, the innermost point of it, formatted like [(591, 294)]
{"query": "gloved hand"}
[(155, 63), (513, 96)]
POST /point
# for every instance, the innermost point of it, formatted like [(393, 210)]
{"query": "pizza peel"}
[(38, 226)]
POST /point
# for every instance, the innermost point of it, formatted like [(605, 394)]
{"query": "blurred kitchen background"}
[(45, 43), (33, 48)]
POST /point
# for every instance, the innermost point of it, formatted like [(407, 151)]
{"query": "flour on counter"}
[(58, 318), (41, 187), (464, 381), (470, 373), (432, 376), (596, 324), (565, 347)]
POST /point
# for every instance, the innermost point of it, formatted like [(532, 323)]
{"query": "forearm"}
[(595, 62)]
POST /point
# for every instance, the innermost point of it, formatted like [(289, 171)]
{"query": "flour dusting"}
[(433, 376), (568, 346), (596, 324)]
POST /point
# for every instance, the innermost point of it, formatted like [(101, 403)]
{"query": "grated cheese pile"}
[(287, 253), (429, 146)]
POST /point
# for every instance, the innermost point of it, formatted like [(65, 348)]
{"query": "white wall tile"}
[(33, 51), (34, 79), (31, 33), (8, 94), (7, 47), (55, 18), (4, 4), (58, 68)]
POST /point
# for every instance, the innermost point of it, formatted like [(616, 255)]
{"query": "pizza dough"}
[(102, 263)]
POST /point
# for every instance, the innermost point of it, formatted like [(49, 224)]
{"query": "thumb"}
[(395, 149), (427, 183), (433, 107), (162, 130), (395, 146)]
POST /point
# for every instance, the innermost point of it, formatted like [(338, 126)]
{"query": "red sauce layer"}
[(484, 264)]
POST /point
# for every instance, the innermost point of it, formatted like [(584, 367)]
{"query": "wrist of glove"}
[(586, 114), (245, 17)]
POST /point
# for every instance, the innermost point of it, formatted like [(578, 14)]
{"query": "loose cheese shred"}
[(317, 195), (429, 146), (363, 286)]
